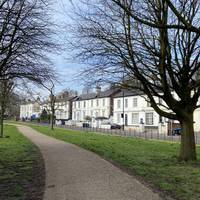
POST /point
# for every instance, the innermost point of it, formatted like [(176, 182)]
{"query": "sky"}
[(63, 62)]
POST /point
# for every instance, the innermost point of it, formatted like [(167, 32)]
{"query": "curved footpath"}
[(73, 173)]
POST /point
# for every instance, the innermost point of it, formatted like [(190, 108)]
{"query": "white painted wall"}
[(29, 109), (136, 111), (99, 107), (62, 110), (197, 120)]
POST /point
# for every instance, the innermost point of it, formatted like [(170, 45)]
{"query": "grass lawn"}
[(21, 167), (152, 161)]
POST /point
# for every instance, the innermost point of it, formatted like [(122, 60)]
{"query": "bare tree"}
[(6, 88), (25, 40), (13, 107), (51, 103), (153, 41)]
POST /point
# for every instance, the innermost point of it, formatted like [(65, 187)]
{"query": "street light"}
[(123, 79)]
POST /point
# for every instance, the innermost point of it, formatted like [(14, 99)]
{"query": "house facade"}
[(94, 105), (132, 111), (29, 110), (126, 108), (63, 106)]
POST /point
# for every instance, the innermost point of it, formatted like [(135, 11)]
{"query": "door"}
[(126, 120)]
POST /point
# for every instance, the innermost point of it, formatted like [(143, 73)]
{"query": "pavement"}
[(73, 173)]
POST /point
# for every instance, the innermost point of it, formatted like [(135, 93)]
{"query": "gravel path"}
[(73, 173)]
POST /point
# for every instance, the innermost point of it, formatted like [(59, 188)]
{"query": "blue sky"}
[(63, 62)]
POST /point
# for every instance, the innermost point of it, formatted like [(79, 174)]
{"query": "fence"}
[(150, 135)]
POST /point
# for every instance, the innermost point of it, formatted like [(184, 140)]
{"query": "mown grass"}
[(21, 167), (153, 161)]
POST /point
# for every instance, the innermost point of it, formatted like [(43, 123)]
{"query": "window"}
[(149, 118), (134, 102), (84, 104), (79, 104), (118, 118), (97, 102), (103, 113), (104, 102), (135, 118), (96, 114), (126, 103), (91, 103), (118, 103)]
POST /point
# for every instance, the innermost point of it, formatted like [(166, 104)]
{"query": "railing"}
[(150, 135)]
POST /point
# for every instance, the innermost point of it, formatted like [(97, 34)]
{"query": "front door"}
[(126, 120)]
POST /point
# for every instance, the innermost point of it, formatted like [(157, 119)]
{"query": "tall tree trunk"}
[(1, 124), (1, 118), (188, 147), (52, 121)]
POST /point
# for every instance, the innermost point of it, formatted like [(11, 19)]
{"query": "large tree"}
[(25, 40), (153, 41), (6, 89)]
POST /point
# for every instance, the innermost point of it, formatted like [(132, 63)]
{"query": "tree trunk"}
[(1, 124), (52, 121), (1, 119), (188, 147)]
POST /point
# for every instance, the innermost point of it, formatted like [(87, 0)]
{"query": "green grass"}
[(153, 161), (20, 167)]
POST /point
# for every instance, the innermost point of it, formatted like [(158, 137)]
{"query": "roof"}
[(65, 99), (28, 102), (102, 94), (127, 93)]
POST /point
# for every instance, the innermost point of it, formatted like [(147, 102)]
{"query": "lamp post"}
[(123, 123)]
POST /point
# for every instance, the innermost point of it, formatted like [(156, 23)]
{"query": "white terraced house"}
[(135, 113), (29, 110), (63, 107), (123, 107), (94, 105), (140, 116)]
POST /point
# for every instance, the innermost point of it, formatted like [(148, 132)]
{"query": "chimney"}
[(98, 90)]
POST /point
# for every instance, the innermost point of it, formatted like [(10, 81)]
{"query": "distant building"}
[(94, 105), (123, 107), (63, 107), (133, 112), (29, 110)]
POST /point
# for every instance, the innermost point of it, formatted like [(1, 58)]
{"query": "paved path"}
[(76, 174)]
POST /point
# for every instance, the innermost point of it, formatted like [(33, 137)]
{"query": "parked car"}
[(176, 131), (115, 126), (86, 125)]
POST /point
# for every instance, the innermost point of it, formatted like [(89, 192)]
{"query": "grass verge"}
[(21, 167), (154, 162)]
